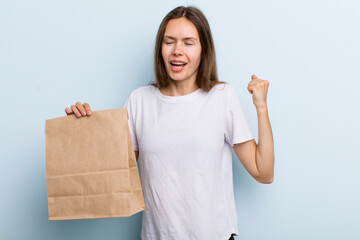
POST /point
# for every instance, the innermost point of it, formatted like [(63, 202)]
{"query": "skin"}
[(258, 159), (181, 41)]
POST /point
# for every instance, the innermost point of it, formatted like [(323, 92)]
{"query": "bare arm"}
[(258, 159)]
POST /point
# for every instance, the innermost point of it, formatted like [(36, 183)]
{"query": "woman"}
[(184, 127)]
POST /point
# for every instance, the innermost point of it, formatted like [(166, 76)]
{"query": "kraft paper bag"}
[(91, 170)]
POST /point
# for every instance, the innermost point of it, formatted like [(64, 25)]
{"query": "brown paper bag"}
[(91, 170)]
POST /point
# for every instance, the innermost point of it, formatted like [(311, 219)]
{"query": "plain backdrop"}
[(54, 53)]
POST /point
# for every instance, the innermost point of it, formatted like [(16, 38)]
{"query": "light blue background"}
[(54, 53)]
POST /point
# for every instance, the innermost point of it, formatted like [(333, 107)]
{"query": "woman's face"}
[(181, 50)]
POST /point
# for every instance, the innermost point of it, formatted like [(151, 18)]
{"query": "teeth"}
[(178, 63)]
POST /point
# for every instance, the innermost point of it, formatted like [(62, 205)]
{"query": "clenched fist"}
[(258, 88)]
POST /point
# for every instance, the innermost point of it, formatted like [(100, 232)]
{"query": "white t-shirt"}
[(185, 161)]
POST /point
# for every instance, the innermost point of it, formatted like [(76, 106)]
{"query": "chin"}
[(176, 78)]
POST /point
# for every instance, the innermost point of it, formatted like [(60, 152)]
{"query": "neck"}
[(179, 88)]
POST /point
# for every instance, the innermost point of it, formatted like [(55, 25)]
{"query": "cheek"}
[(165, 52), (196, 58)]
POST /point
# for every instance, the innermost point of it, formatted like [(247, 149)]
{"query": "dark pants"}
[(232, 238)]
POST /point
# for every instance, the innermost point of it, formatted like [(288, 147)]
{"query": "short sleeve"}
[(237, 129), (129, 105)]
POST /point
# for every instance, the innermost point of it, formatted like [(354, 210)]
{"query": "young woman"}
[(183, 129)]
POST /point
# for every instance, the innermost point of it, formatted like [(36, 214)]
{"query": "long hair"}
[(207, 76)]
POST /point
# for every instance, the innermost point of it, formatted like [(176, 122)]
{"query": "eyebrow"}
[(187, 38)]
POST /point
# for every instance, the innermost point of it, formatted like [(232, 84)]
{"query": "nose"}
[(178, 49)]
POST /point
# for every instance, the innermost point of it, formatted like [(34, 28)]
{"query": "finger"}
[(263, 84), (81, 108), (255, 81), (251, 90), (75, 110), (68, 111), (259, 83), (252, 83), (87, 108), (254, 76)]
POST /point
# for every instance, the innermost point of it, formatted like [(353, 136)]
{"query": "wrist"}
[(261, 107)]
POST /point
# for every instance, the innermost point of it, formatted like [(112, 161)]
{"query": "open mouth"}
[(177, 64)]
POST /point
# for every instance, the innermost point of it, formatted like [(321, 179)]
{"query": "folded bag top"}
[(91, 170)]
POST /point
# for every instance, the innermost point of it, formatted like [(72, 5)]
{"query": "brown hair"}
[(207, 76)]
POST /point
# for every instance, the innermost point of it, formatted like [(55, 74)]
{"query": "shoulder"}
[(226, 93), (142, 92), (224, 88)]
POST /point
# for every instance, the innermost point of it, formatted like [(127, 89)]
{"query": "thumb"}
[(253, 77)]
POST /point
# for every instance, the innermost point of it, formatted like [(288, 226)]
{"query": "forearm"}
[(264, 156)]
